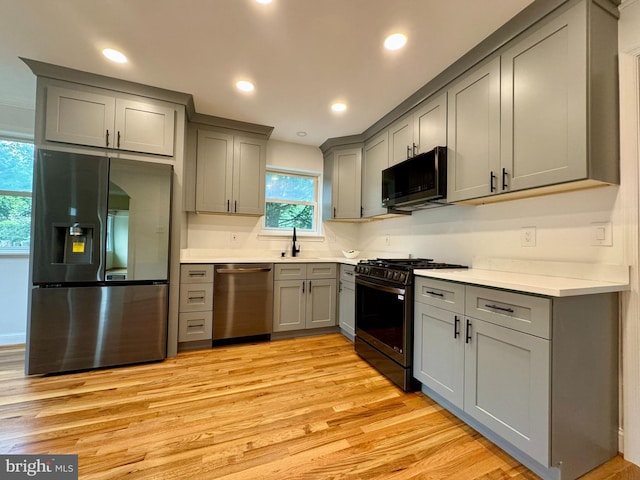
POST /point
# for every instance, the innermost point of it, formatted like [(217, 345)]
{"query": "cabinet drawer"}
[(195, 326), (524, 313), (441, 294), (321, 270), (290, 271), (347, 273), (196, 297), (196, 273)]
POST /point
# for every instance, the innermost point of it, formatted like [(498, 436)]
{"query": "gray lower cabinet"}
[(304, 296), (195, 318), (347, 301), (539, 373)]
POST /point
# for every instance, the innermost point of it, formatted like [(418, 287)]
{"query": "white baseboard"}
[(13, 339)]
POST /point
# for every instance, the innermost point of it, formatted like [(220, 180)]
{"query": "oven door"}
[(383, 318)]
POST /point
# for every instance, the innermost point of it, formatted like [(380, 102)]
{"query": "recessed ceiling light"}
[(395, 41), (338, 107), (301, 133), (245, 86), (114, 55), (264, 2)]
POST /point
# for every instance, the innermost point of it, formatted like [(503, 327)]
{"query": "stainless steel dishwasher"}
[(242, 300)]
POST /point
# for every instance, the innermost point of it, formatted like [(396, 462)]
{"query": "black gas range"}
[(384, 314), (398, 270)]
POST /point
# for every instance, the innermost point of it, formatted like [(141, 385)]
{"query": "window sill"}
[(14, 253), (307, 237)]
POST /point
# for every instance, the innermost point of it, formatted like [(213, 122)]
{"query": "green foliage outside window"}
[(290, 201), (16, 174)]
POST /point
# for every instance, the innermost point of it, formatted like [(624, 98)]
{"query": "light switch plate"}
[(601, 234)]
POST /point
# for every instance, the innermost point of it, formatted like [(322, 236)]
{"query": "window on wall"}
[(291, 201), (16, 177)]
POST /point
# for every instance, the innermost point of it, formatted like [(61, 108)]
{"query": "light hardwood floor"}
[(305, 408)]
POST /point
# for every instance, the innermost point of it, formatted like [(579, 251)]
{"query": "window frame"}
[(12, 251), (316, 231)]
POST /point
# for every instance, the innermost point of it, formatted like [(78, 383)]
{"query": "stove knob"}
[(403, 277), (389, 275), (396, 276)]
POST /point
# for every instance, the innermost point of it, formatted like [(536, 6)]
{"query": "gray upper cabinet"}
[(102, 118), (473, 134), (430, 124), (401, 146), (376, 159), (544, 108), (420, 131), (342, 184), (230, 173)]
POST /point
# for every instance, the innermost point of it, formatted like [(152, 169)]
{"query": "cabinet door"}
[(214, 172), (79, 117), (438, 354), (289, 301), (473, 134), (250, 160), (507, 381), (544, 104), (376, 159), (321, 304), (401, 140), (430, 124), (347, 308), (347, 178), (144, 127)]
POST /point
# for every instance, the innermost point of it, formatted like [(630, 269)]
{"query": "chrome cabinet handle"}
[(408, 152), (437, 294)]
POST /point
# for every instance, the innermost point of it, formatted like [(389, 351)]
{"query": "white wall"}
[(14, 285), (15, 122), (458, 233)]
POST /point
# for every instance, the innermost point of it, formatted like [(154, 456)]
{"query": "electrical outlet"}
[(387, 240), (528, 237), (234, 237)]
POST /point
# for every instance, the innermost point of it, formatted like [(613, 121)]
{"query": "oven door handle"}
[(383, 288)]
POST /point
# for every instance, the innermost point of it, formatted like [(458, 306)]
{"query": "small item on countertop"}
[(350, 253)]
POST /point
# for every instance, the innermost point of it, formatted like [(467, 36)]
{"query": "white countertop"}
[(549, 278), (553, 286), (266, 259)]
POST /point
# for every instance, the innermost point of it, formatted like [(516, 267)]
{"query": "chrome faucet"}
[(294, 250)]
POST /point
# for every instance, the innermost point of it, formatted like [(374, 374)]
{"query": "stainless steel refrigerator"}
[(99, 262)]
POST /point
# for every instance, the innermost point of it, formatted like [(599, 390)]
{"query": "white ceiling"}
[(301, 54)]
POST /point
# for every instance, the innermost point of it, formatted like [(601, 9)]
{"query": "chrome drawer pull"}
[(496, 307), (197, 298)]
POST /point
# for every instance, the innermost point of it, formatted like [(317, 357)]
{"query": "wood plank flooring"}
[(305, 408)]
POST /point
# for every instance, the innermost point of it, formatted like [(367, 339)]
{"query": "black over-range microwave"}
[(417, 183)]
